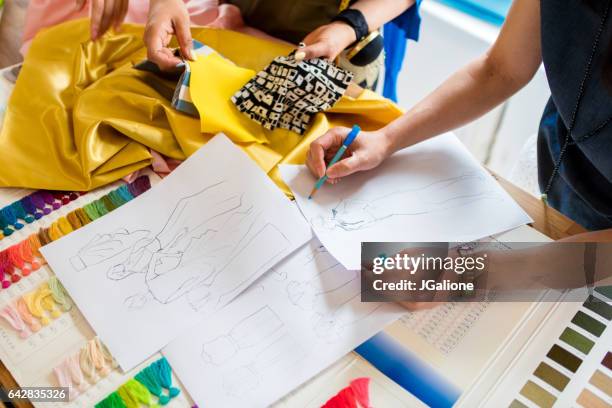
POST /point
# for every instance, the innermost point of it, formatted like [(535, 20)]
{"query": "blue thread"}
[(10, 217), (20, 212), (30, 208)]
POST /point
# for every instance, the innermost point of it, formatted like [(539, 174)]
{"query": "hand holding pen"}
[(366, 151)]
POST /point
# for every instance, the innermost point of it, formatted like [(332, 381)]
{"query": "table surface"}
[(546, 220)]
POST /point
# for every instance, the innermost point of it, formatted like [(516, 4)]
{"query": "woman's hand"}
[(167, 18), (327, 41), (367, 151), (104, 14)]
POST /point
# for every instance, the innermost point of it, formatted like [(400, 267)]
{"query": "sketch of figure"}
[(351, 215), (207, 233), (279, 356), (105, 246), (252, 331), (327, 289), (332, 295), (331, 326)]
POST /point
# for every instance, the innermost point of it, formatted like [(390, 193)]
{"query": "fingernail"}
[(300, 55), (192, 55)]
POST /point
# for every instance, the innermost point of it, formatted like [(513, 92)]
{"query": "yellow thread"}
[(64, 226), (48, 302), (34, 301), (35, 307), (54, 232), (344, 5)]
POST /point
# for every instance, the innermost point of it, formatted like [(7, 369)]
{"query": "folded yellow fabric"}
[(80, 116)]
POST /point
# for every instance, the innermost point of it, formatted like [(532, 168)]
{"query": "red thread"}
[(61, 196), (356, 395), (5, 268), (14, 253), (361, 389)]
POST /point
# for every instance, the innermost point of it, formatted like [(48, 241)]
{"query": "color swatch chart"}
[(577, 370)]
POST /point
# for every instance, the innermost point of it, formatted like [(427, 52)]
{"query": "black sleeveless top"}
[(576, 37)]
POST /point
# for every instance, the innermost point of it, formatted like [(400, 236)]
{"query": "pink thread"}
[(74, 368), (62, 373), (14, 319), (27, 317)]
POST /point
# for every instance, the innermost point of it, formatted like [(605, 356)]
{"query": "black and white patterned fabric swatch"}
[(288, 93)]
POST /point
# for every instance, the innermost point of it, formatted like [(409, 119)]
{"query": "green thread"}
[(147, 377), (116, 199), (164, 373), (100, 207), (59, 294), (113, 400), (108, 203), (91, 211), (150, 381), (134, 394)]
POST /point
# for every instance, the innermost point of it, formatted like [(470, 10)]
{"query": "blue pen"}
[(347, 142)]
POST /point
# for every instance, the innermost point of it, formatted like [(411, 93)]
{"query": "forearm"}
[(563, 265), (465, 96), (379, 12), (480, 86)]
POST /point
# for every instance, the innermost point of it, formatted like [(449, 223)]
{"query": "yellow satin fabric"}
[(81, 117)]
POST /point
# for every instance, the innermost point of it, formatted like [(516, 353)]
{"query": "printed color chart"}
[(577, 369)]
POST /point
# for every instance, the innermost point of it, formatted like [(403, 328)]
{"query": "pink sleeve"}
[(47, 13)]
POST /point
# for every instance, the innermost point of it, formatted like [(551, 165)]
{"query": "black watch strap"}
[(356, 20)]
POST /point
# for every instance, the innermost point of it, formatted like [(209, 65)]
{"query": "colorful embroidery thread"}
[(25, 256)]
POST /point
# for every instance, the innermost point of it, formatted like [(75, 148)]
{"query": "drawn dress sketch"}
[(351, 214), (332, 296), (264, 337), (316, 290), (185, 258)]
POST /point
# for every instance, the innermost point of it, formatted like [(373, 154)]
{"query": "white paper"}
[(433, 191), (153, 267), (298, 319)]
